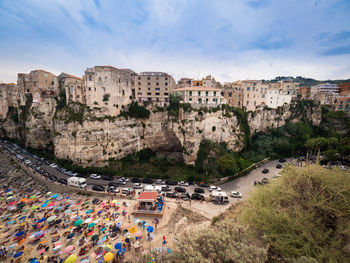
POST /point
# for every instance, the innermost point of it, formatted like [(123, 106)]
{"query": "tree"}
[(227, 165)]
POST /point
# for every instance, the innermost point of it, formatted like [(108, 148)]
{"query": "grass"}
[(306, 212)]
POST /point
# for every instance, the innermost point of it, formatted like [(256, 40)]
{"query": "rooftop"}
[(148, 196)]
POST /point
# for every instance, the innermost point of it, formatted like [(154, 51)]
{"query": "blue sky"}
[(230, 39)]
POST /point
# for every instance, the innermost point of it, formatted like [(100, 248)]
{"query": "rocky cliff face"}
[(90, 138)]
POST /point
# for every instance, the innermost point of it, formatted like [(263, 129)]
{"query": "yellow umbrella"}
[(71, 259), (108, 257), (133, 230), (114, 201)]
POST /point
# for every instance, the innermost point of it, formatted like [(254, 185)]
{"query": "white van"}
[(76, 182), (220, 197), (153, 188)]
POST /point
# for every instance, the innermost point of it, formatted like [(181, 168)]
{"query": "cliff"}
[(89, 137)]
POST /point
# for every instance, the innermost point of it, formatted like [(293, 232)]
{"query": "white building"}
[(325, 88), (277, 97)]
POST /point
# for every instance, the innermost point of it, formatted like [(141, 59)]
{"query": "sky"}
[(228, 39)]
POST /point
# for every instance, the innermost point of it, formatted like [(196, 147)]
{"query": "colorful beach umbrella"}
[(91, 224), (108, 257), (43, 205), (78, 222), (51, 218), (71, 259), (18, 254), (68, 249), (19, 234), (118, 245)]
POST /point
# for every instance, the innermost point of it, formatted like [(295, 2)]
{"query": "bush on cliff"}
[(136, 111), (306, 212)]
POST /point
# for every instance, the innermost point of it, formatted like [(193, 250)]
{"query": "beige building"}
[(154, 87), (200, 93), (38, 83), (8, 97), (233, 93), (109, 88), (254, 94), (73, 87)]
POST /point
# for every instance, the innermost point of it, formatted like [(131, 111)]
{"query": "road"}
[(243, 184)]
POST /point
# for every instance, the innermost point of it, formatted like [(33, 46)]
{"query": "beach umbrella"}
[(10, 223), (88, 220), (51, 218), (43, 205), (55, 196), (11, 208), (68, 249), (99, 212), (32, 197), (33, 260), (10, 198), (48, 193), (71, 235), (23, 217), (108, 257), (107, 247), (91, 224), (118, 245), (115, 229), (9, 193), (18, 254), (68, 211), (71, 259), (90, 233), (35, 207), (11, 203), (42, 220), (78, 222), (114, 201), (58, 221), (24, 200), (150, 229), (121, 251), (52, 204), (94, 237), (8, 190), (88, 211), (38, 234), (20, 234)]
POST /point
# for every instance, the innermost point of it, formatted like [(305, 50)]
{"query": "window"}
[(262, 96), (123, 92), (157, 83), (27, 90), (149, 93), (46, 80), (78, 87), (139, 88), (166, 78), (190, 99), (89, 89), (78, 96), (253, 88), (248, 88), (206, 100), (99, 79), (206, 93), (104, 89), (190, 93), (166, 94), (105, 77), (139, 78), (157, 94), (199, 93), (90, 78), (148, 78), (157, 88), (149, 88), (139, 93), (45, 75), (166, 83), (94, 89), (215, 100), (157, 78), (139, 83), (166, 88), (254, 103), (247, 103), (230, 94), (149, 83)]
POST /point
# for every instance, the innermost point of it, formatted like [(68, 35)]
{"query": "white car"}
[(124, 179), (53, 165), (159, 181), (121, 181), (214, 188), (95, 176), (182, 183), (27, 161), (137, 186), (236, 194), (126, 191)]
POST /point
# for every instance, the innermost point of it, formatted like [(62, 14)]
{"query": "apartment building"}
[(109, 88), (233, 93), (200, 93), (325, 93), (343, 99), (73, 87), (289, 87), (254, 94), (38, 83), (8, 97), (276, 97), (154, 87)]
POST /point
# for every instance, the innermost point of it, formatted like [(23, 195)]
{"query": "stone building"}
[(8, 97), (109, 88), (325, 93), (343, 99), (254, 94), (154, 87), (39, 83), (233, 93), (73, 87)]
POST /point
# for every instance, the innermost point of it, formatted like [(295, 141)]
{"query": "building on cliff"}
[(38, 84), (233, 93), (73, 87), (200, 93), (109, 88), (154, 87), (8, 97), (325, 93), (343, 99)]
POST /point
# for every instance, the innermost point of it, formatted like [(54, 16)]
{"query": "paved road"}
[(243, 185)]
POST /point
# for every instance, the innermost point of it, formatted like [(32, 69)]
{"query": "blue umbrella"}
[(18, 254), (23, 217), (70, 236), (118, 245), (9, 223), (42, 220), (20, 234), (99, 212), (43, 205), (88, 211), (121, 252), (68, 211), (33, 260), (8, 190), (150, 229), (38, 234), (55, 196)]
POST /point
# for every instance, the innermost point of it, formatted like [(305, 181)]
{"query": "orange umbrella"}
[(22, 241), (24, 200)]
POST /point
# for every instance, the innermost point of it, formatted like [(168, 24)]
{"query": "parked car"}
[(185, 196), (107, 178), (126, 191), (258, 183), (137, 186), (180, 189), (279, 166), (202, 184), (265, 171), (135, 180), (166, 188), (196, 196), (265, 180), (62, 181), (170, 183), (172, 195), (98, 188), (214, 188), (282, 160), (112, 189), (82, 175), (95, 176), (114, 184), (121, 182), (147, 181), (235, 194), (199, 190), (159, 181), (124, 179), (182, 183), (53, 178), (27, 161), (53, 165)]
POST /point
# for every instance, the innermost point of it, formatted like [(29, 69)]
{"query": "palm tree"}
[(310, 145)]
